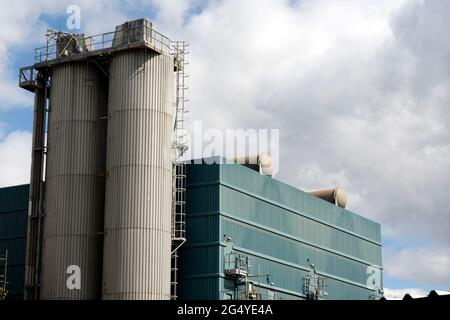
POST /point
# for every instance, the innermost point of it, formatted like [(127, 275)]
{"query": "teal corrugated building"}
[(251, 236), (13, 233), (248, 236)]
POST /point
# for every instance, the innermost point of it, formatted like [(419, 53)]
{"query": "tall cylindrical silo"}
[(137, 242), (75, 182)]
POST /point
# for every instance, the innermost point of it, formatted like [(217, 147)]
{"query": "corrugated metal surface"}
[(270, 216), (14, 199), (13, 228), (270, 189), (139, 176), (208, 253), (199, 267), (279, 227), (292, 251), (206, 288), (74, 194)]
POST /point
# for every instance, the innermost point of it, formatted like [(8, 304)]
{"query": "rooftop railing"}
[(60, 45)]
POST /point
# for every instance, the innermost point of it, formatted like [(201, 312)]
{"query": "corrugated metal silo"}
[(74, 196), (137, 243)]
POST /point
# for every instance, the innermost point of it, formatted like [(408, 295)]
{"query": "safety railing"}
[(244, 293), (237, 265), (27, 74), (61, 44)]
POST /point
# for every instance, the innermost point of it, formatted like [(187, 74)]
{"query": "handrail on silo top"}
[(132, 33)]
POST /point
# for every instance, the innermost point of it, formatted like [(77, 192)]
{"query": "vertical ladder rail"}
[(4, 276), (180, 51)]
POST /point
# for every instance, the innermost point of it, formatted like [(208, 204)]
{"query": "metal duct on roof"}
[(335, 196), (261, 163)]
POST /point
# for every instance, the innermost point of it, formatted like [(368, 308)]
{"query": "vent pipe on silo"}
[(335, 196)]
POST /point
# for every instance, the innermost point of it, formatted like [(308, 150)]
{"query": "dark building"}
[(13, 233)]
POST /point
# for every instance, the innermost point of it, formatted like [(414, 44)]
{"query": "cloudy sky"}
[(360, 91)]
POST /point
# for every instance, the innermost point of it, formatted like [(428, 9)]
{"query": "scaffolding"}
[(237, 267), (250, 292), (179, 147), (247, 286), (3, 275), (313, 284)]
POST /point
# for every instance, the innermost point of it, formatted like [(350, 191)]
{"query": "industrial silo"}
[(137, 240), (111, 214), (74, 186)]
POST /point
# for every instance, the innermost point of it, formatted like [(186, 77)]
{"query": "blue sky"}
[(358, 75), (21, 117)]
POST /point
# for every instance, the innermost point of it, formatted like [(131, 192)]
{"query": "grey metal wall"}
[(74, 194), (137, 241)]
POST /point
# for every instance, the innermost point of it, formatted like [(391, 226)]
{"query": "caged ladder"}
[(180, 52)]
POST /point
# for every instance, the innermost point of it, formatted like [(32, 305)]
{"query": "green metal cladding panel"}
[(13, 230), (280, 227), (262, 215), (198, 263), (268, 189)]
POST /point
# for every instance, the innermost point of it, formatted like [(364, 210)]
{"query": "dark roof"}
[(433, 295)]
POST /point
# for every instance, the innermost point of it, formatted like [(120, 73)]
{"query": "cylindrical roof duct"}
[(261, 163), (335, 196)]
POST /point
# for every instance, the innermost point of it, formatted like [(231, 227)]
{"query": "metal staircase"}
[(180, 52)]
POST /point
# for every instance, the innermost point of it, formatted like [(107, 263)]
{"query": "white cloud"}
[(340, 81), (17, 23), (15, 158), (170, 13), (360, 98), (349, 86), (312, 177), (427, 265), (24, 29)]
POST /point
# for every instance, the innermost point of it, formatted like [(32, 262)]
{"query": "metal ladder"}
[(3, 276), (179, 147)]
